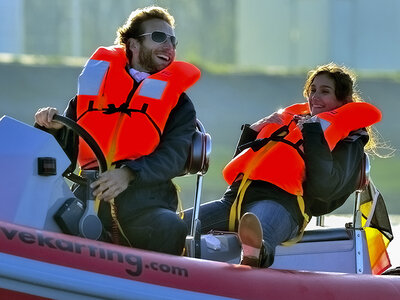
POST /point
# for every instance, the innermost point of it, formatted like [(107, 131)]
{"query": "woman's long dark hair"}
[(345, 91)]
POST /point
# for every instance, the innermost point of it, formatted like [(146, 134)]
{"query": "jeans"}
[(277, 223)]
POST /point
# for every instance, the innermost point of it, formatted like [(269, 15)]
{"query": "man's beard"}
[(147, 62)]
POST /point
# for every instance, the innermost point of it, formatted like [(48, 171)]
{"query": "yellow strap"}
[(110, 166), (113, 147), (115, 219), (111, 154), (96, 205), (300, 202), (237, 205), (97, 200), (180, 206)]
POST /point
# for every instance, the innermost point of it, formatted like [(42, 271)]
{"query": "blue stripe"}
[(324, 124), (92, 75), (152, 88)]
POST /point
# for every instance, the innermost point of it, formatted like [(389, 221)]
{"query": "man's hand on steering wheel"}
[(44, 117), (111, 183)]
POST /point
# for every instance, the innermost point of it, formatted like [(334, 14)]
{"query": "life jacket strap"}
[(116, 226), (306, 220), (123, 109), (257, 144), (236, 207)]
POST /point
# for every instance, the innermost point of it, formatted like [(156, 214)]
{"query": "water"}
[(394, 246)]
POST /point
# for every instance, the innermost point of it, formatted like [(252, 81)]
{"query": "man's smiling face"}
[(151, 56)]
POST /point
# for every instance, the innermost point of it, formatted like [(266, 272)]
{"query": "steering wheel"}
[(81, 132), (89, 224)]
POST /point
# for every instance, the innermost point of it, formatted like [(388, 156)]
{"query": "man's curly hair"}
[(132, 27)]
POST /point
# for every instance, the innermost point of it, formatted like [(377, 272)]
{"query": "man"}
[(131, 100)]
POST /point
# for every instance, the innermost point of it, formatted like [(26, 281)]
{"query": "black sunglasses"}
[(160, 37)]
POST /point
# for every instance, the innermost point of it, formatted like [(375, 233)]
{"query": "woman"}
[(298, 162)]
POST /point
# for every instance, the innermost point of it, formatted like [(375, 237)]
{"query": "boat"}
[(39, 261)]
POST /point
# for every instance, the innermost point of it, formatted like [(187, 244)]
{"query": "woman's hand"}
[(275, 118), (300, 120), (44, 117)]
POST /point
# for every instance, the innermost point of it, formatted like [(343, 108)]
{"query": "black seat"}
[(200, 151)]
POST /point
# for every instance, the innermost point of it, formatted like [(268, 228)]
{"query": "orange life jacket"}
[(283, 164), (126, 123)]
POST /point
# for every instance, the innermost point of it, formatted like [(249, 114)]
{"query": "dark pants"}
[(156, 229)]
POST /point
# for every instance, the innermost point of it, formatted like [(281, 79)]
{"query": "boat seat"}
[(325, 235), (199, 153)]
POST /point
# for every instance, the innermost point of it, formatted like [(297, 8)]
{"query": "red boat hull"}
[(189, 276)]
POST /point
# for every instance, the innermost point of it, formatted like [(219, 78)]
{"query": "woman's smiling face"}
[(322, 95)]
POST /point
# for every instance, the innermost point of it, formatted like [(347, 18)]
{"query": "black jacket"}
[(330, 176)]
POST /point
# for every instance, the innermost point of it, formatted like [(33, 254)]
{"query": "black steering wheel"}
[(81, 132), (89, 224)]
